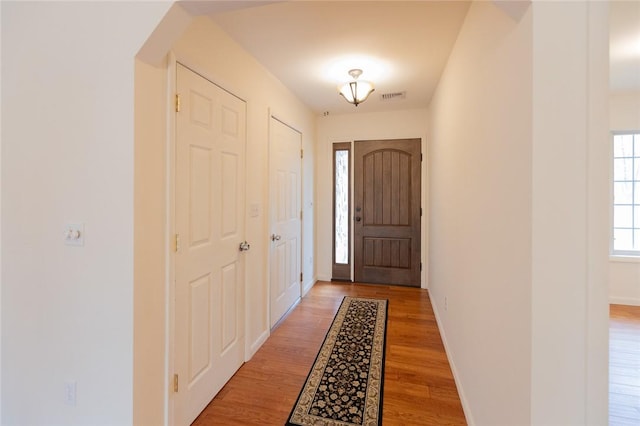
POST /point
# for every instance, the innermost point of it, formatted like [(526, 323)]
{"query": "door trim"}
[(172, 87)]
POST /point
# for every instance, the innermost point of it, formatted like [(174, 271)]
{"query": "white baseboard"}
[(632, 301), (256, 345), (454, 370), (323, 278), (307, 286)]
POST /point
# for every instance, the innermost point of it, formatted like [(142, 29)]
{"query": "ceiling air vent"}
[(393, 96)]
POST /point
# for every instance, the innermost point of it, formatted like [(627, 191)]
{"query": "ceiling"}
[(400, 46), (311, 45), (624, 49)]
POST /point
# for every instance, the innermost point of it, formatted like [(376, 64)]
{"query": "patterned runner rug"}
[(345, 384)]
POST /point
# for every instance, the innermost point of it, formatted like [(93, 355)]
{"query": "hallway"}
[(418, 390)]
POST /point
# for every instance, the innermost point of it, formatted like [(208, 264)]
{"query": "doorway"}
[(209, 225), (285, 188), (387, 211)]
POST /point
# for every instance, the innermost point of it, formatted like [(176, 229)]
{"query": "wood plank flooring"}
[(624, 365), (418, 390)]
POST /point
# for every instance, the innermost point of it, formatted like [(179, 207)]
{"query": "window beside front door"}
[(341, 269)]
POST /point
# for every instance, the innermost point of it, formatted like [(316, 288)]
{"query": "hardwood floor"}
[(418, 390), (624, 365)]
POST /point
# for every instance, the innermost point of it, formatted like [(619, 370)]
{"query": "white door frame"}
[(275, 116), (171, 144)]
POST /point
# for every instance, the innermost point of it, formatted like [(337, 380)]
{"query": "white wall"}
[(519, 212), (570, 214), (480, 214), (624, 281), (350, 127), (67, 155), (624, 273)]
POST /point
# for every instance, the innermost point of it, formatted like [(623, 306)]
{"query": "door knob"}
[(358, 218), (244, 246), (275, 237)]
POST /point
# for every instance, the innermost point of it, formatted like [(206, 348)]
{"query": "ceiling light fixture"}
[(356, 91)]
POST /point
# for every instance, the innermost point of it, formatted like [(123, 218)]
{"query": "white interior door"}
[(209, 221), (285, 188)]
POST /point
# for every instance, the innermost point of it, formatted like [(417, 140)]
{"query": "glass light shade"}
[(356, 92)]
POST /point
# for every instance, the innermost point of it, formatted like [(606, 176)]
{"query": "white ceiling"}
[(311, 45), (400, 46), (624, 49)]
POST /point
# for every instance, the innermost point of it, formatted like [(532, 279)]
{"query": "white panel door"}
[(286, 245), (209, 215)]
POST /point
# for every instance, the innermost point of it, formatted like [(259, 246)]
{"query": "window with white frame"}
[(626, 194)]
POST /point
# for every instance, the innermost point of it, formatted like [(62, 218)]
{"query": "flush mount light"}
[(356, 91)]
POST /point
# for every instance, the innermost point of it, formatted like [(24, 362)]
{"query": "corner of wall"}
[(308, 285), (475, 264), (623, 300), (150, 244)]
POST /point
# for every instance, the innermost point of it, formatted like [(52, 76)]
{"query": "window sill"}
[(624, 258)]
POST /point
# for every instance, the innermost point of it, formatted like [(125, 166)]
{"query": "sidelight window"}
[(341, 211)]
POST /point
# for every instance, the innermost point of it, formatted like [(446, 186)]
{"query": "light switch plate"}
[(74, 234), (254, 210)]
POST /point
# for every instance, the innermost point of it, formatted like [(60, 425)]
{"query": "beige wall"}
[(624, 273), (570, 213), (205, 48), (351, 127), (97, 314), (517, 257), (480, 143), (150, 244), (67, 156), (208, 50)]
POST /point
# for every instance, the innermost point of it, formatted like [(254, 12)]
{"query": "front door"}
[(285, 189), (387, 211), (209, 222)]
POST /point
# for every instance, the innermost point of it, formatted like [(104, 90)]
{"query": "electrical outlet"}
[(70, 387)]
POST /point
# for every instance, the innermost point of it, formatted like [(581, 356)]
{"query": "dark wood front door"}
[(387, 211)]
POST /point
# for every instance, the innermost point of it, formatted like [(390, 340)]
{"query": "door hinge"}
[(421, 266), (300, 276), (177, 102), (420, 211), (300, 214), (420, 156), (302, 153), (176, 243), (175, 383)]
